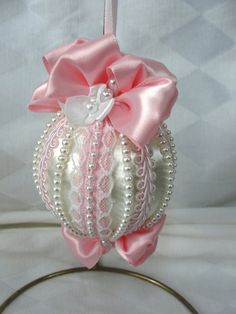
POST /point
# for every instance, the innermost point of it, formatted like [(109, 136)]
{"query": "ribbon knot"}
[(144, 91)]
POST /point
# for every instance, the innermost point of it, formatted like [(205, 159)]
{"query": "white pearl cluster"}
[(129, 195), (89, 198), (169, 154)]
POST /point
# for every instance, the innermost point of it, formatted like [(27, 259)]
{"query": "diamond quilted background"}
[(196, 40)]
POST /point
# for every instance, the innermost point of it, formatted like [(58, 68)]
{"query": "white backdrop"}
[(196, 40)]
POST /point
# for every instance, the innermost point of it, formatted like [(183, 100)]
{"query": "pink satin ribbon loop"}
[(134, 248), (87, 250), (144, 91)]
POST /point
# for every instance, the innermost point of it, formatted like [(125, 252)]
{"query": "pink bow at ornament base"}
[(135, 248)]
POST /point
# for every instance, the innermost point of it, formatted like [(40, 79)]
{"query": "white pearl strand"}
[(38, 150), (57, 183), (90, 200), (169, 153), (129, 195)]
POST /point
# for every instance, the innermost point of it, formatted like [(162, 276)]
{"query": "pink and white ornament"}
[(105, 164)]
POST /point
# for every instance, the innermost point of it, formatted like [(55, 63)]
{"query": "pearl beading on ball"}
[(92, 164), (57, 183), (129, 195), (45, 148), (169, 154), (43, 151)]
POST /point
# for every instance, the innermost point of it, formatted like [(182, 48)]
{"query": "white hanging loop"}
[(110, 16)]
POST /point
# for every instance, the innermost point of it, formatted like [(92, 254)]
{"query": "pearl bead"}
[(127, 209), (61, 158), (126, 159), (57, 182), (65, 142), (98, 124), (127, 168), (111, 83), (90, 106), (128, 179), (128, 203), (89, 188), (128, 187), (107, 93), (93, 154), (91, 166), (125, 151), (89, 208), (59, 166)]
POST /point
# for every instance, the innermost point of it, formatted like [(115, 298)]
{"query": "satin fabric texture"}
[(144, 91)]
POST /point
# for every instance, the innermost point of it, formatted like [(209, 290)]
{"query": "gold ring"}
[(99, 268)]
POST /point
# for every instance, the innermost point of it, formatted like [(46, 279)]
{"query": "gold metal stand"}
[(97, 268)]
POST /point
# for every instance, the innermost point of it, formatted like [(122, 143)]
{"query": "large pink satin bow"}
[(144, 90), (135, 248)]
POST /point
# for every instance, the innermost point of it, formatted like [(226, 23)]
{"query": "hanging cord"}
[(110, 16)]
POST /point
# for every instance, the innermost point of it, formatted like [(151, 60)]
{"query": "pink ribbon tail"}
[(87, 250), (136, 247)]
